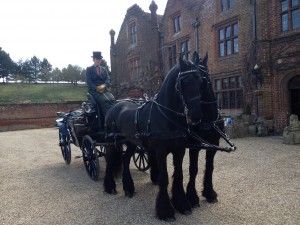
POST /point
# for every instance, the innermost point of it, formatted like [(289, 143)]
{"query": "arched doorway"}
[(294, 89)]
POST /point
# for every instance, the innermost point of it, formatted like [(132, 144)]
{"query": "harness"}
[(183, 131)]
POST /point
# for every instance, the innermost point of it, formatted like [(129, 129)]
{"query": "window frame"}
[(185, 49), (177, 23), (134, 68), (287, 17), (228, 44), (226, 5), (172, 55), (133, 33), (225, 89)]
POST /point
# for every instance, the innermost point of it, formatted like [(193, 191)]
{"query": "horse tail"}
[(114, 160)]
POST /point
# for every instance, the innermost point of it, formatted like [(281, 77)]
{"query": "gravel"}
[(257, 184)]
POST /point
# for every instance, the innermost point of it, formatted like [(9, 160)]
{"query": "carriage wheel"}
[(64, 143), (90, 157), (141, 159)]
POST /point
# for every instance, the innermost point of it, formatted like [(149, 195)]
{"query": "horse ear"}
[(196, 58), (205, 59)]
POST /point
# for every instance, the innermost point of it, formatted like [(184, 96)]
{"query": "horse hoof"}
[(114, 192), (170, 219), (197, 205), (187, 212), (128, 194), (213, 201)]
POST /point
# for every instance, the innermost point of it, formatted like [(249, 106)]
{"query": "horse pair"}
[(181, 113)]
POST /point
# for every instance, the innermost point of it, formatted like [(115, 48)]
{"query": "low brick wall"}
[(27, 116)]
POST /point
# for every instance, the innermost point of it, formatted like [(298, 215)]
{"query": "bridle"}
[(179, 90), (178, 87)]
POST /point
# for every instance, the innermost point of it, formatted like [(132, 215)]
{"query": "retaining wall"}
[(37, 115)]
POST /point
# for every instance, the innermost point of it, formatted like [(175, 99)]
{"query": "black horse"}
[(161, 126), (208, 133)]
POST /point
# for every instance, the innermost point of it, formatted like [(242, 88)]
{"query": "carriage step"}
[(78, 156)]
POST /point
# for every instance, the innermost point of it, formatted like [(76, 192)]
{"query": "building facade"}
[(253, 48), (135, 57)]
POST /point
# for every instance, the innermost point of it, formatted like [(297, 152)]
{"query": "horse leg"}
[(179, 198), (191, 192), (153, 167), (113, 166), (208, 190), (164, 208), (128, 185)]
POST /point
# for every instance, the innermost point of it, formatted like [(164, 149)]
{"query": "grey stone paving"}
[(257, 184)]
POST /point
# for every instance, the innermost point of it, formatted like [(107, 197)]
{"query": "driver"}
[(98, 82)]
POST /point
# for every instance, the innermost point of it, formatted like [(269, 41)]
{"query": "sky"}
[(63, 31)]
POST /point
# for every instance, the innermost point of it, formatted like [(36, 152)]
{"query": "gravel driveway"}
[(257, 184)]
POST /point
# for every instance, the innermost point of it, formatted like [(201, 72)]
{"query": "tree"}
[(104, 64), (7, 66), (25, 71), (56, 75), (46, 68), (35, 65), (82, 75), (72, 74)]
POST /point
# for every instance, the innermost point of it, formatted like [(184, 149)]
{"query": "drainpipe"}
[(254, 21), (256, 70)]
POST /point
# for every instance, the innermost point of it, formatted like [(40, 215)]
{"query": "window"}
[(176, 24), (172, 56), (290, 15), (185, 49), (226, 4), (134, 68), (228, 40), (229, 92), (133, 34)]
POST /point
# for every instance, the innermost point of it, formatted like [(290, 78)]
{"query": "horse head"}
[(188, 87), (208, 100)]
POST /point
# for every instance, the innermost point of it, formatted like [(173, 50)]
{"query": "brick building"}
[(135, 59), (253, 47)]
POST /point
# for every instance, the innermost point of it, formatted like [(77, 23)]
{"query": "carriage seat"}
[(98, 110)]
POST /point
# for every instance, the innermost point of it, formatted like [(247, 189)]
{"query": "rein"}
[(161, 109)]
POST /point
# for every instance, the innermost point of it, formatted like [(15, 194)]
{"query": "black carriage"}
[(85, 129)]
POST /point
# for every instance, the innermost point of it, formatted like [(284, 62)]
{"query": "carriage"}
[(84, 129), (183, 114)]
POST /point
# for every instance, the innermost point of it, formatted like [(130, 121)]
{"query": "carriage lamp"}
[(258, 76)]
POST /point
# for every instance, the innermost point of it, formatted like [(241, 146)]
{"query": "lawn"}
[(41, 93)]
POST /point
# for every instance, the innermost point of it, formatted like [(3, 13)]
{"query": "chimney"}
[(112, 37), (153, 9)]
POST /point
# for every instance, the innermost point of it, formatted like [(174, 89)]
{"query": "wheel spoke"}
[(143, 160), (137, 158)]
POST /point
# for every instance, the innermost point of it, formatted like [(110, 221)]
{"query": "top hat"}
[(97, 55)]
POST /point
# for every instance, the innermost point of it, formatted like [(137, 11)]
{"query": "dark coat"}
[(93, 79)]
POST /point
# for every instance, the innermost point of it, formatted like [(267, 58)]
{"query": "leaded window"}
[(229, 92), (290, 15), (228, 40)]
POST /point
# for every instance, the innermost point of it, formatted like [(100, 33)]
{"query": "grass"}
[(41, 93)]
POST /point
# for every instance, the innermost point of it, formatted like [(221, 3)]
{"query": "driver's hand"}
[(101, 88)]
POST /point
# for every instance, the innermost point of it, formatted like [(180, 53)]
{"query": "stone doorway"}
[(294, 89)]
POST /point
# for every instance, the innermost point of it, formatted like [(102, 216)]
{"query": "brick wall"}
[(276, 52), (145, 50), (26, 116)]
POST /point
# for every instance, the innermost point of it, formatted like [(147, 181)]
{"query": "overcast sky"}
[(63, 31)]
